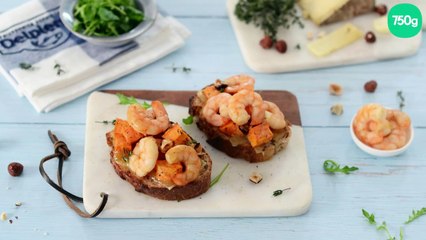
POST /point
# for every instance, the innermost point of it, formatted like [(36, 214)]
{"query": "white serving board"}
[(260, 60), (233, 196)]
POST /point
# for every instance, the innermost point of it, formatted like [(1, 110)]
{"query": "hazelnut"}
[(370, 86), (370, 37), (381, 9), (266, 42), (281, 46), (256, 178), (15, 169), (337, 109), (335, 89)]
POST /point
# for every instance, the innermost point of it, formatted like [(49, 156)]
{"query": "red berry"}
[(15, 169), (281, 46), (266, 42), (381, 9), (370, 37)]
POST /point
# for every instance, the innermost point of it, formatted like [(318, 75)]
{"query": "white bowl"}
[(66, 14), (377, 152)]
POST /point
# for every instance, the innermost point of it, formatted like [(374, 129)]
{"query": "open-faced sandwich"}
[(238, 121), (157, 156)]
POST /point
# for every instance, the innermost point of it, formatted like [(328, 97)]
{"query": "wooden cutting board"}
[(287, 101), (233, 196), (258, 59)]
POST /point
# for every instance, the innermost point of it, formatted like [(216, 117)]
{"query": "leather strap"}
[(62, 153)]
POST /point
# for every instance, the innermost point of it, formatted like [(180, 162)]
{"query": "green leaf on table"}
[(370, 217), (189, 120), (331, 166), (416, 214)]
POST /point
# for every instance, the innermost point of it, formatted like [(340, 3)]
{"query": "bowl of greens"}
[(108, 22)]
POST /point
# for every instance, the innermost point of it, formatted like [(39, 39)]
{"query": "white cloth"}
[(86, 66)]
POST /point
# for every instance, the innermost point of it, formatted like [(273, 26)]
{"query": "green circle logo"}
[(405, 20)]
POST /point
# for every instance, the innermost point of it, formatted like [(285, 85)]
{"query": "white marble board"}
[(260, 60), (233, 196)]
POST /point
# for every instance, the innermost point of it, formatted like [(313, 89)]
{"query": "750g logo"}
[(44, 32)]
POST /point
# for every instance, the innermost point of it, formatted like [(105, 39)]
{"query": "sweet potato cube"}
[(164, 171), (124, 128), (177, 135), (260, 134), (210, 91), (231, 129)]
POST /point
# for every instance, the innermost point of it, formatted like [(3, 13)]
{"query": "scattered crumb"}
[(10, 221), (256, 178), (3, 216), (335, 89), (18, 204), (337, 109), (310, 36)]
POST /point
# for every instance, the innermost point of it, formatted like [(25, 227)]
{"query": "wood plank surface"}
[(285, 100)]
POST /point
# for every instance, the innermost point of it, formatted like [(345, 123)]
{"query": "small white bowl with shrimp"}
[(395, 141)]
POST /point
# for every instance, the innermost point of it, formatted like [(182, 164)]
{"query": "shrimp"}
[(148, 122), (239, 82), (398, 118), (246, 99), (396, 139), (370, 124), (144, 156), (192, 163), (273, 115), (211, 111)]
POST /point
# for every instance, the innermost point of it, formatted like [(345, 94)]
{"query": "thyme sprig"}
[(278, 192), (416, 214), (401, 97), (26, 66), (59, 69), (268, 15), (106, 122), (184, 68)]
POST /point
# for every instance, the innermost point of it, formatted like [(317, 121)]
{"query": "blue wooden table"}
[(389, 187)]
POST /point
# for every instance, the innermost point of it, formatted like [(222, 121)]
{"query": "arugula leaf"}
[(189, 120), (370, 217), (106, 17), (331, 166), (218, 177), (416, 214), (125, 100)]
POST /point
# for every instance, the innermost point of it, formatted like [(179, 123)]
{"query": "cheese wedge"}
[(330, 11), (381, 24), (336, 40)]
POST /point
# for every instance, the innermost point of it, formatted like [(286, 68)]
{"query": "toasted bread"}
[(239, 146), (152, 187)]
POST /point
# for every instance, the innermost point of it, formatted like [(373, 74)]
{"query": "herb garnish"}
[(58, 68), (106, 17), (331, 166), (184, 69), (269, 15), (415, 215), (280, 191), (401, 100), (106, 122), (26, 66), (125, 100), (217, 178), (189, 120), (383, 227)]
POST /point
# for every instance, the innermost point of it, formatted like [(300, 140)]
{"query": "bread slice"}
[(152, 187), (238, 147)]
